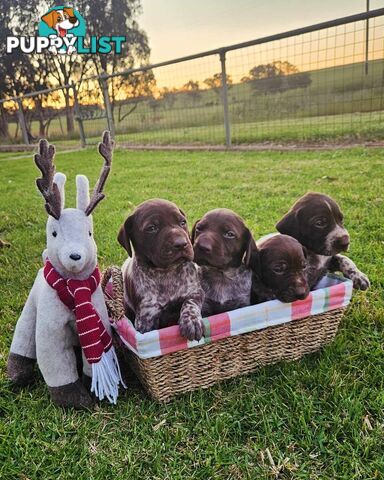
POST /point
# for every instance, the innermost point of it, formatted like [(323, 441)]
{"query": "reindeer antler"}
[(46, 185), (105, 150)]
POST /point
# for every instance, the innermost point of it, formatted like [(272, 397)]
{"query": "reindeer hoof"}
[(72, 395), (21, 370), (86, 381)]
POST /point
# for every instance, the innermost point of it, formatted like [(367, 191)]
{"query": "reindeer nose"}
[(180, 243), (75, 256)]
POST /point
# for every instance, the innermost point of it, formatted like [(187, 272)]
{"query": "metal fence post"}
[(107, 103), (83, 139), (224, 91), (23, 125), (366, 41)]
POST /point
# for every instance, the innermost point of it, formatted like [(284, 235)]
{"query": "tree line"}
[(22, 73)]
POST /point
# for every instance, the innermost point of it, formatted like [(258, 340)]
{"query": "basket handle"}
[(115, 304)]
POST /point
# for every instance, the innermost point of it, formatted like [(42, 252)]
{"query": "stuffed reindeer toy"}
[(66, 306)]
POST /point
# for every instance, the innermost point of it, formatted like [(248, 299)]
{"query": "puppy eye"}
[(229, 234), (279, 268), (321, 222), (54, 233), (183, 223), (151, 229)]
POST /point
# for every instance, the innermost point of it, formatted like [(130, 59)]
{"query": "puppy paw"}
[(191, 327), (144, 325), (360, 281)]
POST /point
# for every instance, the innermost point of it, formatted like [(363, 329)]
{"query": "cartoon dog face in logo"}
[(61, 20)]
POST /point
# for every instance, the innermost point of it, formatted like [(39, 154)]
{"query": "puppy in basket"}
[(223, 247), (161, 283)]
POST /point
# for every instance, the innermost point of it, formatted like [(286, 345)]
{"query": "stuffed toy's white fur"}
[(46, 329)]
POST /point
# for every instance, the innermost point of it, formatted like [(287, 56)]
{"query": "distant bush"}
[(276, 77), (353, 86), (298, 80)]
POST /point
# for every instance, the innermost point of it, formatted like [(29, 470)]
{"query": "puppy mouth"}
[(62, 32), (334, 250), (170, 255), (288, 297), (338, 249), (208, 260)]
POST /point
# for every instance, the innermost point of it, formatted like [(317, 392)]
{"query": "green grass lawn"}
[(318, 418)]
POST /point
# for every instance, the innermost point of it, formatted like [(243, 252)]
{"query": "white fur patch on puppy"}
[(333, 236), (349, 270)]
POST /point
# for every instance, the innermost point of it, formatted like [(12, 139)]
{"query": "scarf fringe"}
[(106, 376)]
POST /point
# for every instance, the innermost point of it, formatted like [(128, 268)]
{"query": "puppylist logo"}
[(62, 30)]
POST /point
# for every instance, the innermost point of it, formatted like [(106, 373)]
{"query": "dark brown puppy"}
[(223, 247), (279, 270), (316, 221), (161, 281)]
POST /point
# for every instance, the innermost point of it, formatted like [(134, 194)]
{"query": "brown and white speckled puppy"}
[(160, 280), (223, 246), (316, 221), (279, 270)]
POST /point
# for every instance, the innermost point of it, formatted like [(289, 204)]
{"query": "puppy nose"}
[(180, 243), (73, 20), (204, 247), (343, 242), (301, 292), (75, 256)]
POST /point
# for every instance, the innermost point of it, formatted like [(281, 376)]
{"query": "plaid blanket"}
[(331, 292)]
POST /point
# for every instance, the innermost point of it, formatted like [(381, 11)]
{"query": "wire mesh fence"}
[(319, 83), (310, 87)]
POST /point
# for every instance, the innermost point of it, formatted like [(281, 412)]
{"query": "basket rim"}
[(332, 292)]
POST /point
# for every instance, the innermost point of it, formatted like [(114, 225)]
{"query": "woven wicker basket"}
[(168, 375)]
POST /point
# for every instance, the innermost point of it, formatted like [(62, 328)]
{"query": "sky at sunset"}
[(179, 27)]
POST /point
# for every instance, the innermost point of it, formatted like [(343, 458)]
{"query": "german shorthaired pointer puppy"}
[(316, 221), (223, 246), (279, 270), (161, 281)]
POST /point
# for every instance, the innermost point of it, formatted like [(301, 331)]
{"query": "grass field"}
[(318, 418)]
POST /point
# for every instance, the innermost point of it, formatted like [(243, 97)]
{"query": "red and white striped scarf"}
[(94, 338)]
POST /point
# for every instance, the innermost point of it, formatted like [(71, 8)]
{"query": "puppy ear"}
[(125, 235), (251, 253), (50, 18), (289, 224), (181, 211), (193, 233)]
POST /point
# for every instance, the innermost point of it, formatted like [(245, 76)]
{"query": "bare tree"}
[(193, 89), (215, 82)]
